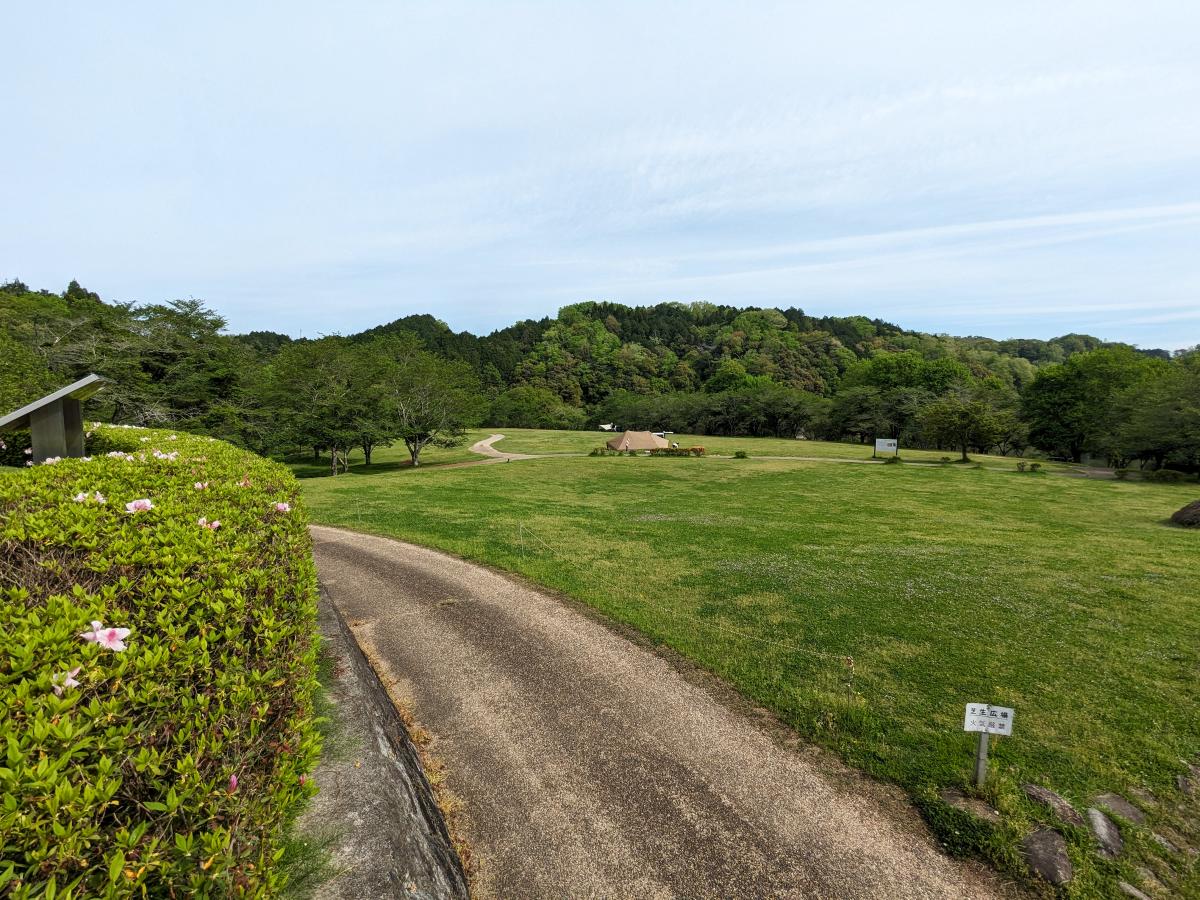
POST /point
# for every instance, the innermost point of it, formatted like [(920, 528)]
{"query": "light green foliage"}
[(1066, 598), (121, 786)]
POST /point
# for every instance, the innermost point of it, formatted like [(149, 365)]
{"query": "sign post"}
[(986, 719), (886, 445)]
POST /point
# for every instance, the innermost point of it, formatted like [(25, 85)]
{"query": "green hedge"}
[(171, 767)]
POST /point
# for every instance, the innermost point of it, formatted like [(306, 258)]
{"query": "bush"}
[(1121, 473), (1165, 476), (740, 454), (1021, 466), (1189, 516), (677, 451), (891, 461), (166, 763), (945, 460), (1035, 467)]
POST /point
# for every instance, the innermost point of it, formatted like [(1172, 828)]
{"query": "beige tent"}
[(636, 440)]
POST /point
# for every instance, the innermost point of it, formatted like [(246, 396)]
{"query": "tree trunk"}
[(965, 458), (366, 447), (333, 461), (316, 454)]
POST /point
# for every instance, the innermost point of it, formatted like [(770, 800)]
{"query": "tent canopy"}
[(636, 440)]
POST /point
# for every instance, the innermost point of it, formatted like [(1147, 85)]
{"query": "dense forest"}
[(694, 368)]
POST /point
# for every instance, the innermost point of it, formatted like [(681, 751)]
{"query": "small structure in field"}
[(636, 440), (55, 422), (609, 427), (1189, 516)]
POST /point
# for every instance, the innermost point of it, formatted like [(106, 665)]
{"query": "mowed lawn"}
[(527, 440), (1069, 599)]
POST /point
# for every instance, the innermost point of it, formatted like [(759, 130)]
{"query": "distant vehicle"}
[(608, 427)]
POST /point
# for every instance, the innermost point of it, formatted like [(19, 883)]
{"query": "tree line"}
[(695, 368)]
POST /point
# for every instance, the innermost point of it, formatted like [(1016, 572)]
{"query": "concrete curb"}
[(394, 831)]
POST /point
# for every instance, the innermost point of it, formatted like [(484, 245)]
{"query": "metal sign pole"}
[(981, 760)]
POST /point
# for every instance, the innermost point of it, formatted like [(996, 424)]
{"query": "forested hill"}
[(690, 368), (592, 349)]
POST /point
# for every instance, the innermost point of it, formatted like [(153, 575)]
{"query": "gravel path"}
[(590, 767), (485, 448)]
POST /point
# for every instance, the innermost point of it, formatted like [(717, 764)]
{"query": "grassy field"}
[(386, 459), (524, 440), (1066, 598)]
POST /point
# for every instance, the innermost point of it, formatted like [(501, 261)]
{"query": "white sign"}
[(991, 719), (885, 445)]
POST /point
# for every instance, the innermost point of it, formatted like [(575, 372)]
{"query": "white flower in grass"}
[(100, 498), (136, 506), (81, 497)]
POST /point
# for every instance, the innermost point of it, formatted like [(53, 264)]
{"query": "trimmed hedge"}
[(166, 761)]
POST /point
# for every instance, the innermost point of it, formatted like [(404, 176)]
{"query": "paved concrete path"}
[(590, 768)]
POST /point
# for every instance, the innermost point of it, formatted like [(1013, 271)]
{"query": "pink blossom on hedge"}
[(283, 507), (245, 482), (81, 497), (135, 506), (111, 638), (201, 485), (100, 498), (29, 451), (65, 680), (233, 783), (51, 460), (211, 526)]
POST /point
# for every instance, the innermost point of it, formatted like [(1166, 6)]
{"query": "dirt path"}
[(590, 767), (485, 448)]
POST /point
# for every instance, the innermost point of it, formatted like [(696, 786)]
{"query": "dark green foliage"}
[(1166, 476), (122, 785), (531, 407), (740, 454), (677, 451)]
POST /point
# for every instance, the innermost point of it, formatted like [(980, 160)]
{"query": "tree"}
[(959, 421), (531, 407), (428, 401), (1070, 407)]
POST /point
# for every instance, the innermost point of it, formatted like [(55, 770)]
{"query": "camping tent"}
[(636, 440)]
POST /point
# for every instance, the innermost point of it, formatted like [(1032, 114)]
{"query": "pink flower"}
[(112, 638), (81, 497), (245, 482), (139, 505), (29, 451), (201, 485), (64, 680), (303, 780), (211, 526), (29, 462), (233, 783), (283, 507), (3, 446), (100, 498), (51, 460)]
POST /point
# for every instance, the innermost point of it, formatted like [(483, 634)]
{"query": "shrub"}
[(1189, 516), (891, 461), (677, 451), (945, 460), (740, 454), (1021, 467), (1121, 473), (168, 766), (1166, 476), (1035, 467)]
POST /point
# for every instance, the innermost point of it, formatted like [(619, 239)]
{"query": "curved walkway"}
[(590, 767), (485, 448)]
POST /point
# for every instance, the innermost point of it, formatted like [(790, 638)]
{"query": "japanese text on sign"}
[(987, 718)]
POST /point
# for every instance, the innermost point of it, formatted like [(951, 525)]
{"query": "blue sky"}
[(1024, 169)]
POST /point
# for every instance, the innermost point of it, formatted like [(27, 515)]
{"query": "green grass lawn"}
[(526, 440), (1068, 599), (385, 459)]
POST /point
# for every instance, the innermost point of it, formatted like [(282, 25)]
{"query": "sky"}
[(1010, 169)]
